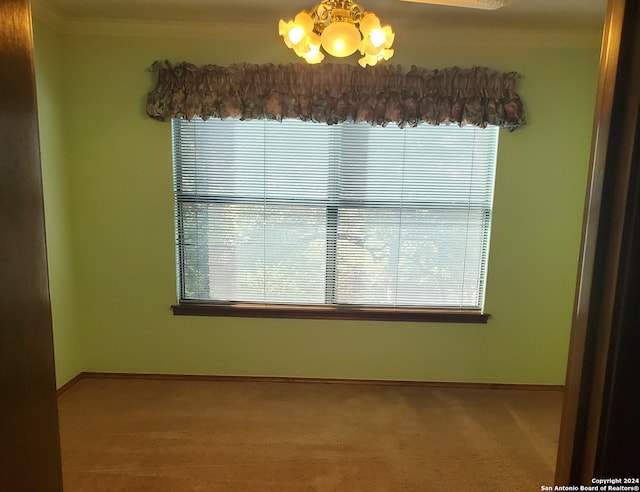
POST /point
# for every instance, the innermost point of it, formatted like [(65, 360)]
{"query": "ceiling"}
[(558, 14)]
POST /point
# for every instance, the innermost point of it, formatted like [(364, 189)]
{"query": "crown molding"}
[(44, 12), (507, 37), (164, 29)]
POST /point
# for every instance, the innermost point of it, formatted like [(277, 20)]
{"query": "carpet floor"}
[(198, 436)]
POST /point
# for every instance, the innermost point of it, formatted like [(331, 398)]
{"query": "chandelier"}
[(340, 27)]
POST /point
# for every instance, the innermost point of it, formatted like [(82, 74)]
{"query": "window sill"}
[(248, 310)]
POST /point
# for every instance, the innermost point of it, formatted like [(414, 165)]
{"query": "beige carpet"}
[(174, 436)]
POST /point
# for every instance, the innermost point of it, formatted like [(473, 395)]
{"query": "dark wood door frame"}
[(600, 430), (29, 443)]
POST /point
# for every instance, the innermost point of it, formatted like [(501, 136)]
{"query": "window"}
[(343, 216)]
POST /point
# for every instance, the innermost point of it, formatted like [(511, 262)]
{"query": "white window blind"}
[(303, 213)]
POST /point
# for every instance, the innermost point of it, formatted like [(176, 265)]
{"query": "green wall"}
[(49, 60), (117, 196)]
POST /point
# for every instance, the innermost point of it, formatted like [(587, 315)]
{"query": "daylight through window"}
[(303, 213)]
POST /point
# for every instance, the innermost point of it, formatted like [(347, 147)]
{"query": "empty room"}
[(277, 262)]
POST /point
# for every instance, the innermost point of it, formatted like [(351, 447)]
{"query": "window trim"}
[(223, 308), (298, 311)]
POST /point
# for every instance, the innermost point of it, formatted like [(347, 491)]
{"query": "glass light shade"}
[(377, 41), (340, 39), (314, 55), (294, 32), (367, 60), (310, 49), (304, 20), (373, 59), (285, 28), (368, 23)]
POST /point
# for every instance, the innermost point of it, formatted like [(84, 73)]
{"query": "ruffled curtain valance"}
[(333, 93)]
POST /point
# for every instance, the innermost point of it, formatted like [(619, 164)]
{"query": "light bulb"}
[(377, 37), (296, 34)]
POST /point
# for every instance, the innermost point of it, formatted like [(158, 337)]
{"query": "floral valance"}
[(333, 93)]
